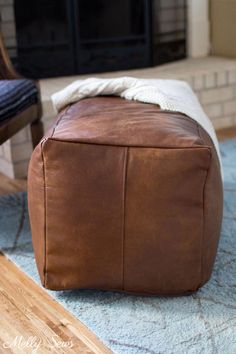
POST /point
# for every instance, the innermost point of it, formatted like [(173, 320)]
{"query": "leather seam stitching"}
[(200, 135), (45, 216), (213, 145), (124, 216), (59, 120), (213, 149), (132, 146), (203, 221), (203, 207)]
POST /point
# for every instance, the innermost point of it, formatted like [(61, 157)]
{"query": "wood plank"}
[(29, 311), (226, 133)]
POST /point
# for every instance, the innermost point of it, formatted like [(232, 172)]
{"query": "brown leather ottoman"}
[(124, 196)]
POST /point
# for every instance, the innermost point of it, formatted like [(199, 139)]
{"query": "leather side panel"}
[(164, 219), (213, 212), (36, 204), (84, 215)]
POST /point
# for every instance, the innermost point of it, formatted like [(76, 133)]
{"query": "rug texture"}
[(204, 322)]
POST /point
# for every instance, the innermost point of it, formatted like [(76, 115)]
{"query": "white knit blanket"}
[(171, 95)]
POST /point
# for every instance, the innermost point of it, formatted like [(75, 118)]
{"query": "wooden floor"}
[(27, 310), (227, 133)]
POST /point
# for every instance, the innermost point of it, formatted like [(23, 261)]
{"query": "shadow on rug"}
[(202, 323)]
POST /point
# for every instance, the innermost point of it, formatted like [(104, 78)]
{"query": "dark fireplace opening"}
[(66, 37)]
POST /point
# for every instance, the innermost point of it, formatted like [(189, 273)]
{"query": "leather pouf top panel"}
[(124, 196), (116, 121)]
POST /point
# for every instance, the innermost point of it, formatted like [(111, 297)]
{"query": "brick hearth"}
[(213, 79)]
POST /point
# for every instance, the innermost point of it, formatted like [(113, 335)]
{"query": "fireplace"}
[(66, 37)]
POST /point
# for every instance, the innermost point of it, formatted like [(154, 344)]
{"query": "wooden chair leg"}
[(36, 131)]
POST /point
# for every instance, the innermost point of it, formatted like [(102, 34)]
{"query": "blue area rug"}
[(202, 323)]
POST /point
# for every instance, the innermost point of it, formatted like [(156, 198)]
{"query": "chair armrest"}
[(7, 70)]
